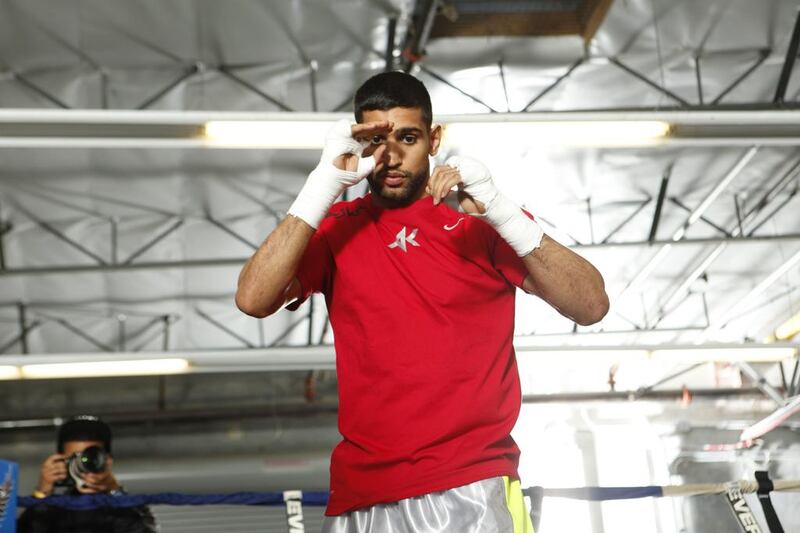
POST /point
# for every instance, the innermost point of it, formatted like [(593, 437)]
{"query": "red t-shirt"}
[(421, 301)]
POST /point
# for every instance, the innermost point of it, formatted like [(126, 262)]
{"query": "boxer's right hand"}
[(340, 166), (363, 134), (53, 469)]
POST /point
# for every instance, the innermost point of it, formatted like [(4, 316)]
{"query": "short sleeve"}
[(314, 272), (506, 260)]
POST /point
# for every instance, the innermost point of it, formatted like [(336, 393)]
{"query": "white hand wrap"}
[(326, 182), (523, 234)]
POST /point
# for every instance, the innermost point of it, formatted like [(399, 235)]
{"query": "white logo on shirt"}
[(402, 239), (454, 226)]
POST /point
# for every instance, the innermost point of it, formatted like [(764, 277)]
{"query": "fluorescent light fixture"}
[(605, 355), (788, 329), (207, 129), (84, 365), (275, 134), (744, 353), (55, 366), (142, 367), (9, 372), (608, 133), (576, 356), (283, 134)]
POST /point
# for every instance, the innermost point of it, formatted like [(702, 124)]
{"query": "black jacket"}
[(49, 519)]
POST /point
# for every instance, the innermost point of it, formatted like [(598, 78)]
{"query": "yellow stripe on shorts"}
[(516, 506)]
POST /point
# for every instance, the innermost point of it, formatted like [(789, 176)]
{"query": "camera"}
[(92, 460)]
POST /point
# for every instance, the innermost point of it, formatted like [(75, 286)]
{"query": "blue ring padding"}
[(92, 501), (597, 494)]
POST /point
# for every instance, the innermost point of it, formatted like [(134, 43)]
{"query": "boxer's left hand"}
[(482, 197), (445, 178)]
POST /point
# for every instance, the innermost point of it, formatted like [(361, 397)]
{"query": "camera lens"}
[(91, 460)]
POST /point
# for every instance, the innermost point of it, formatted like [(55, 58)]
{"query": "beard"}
[(398, 196)]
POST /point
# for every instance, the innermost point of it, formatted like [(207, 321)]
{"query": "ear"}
[(436, 138)]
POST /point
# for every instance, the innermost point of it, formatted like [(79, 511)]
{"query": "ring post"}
[(8, 496)]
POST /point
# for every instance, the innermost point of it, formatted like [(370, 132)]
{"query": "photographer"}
[(83, 465)]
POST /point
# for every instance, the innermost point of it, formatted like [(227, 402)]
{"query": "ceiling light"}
[(743, 353), (600, 133), (672, 354), (83, 365), (9, 372), (276, 134), (788, 329), (142, 367), (284, 134), (577, 355), (54, 366)]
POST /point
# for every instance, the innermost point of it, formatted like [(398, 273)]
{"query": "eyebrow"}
[(409, 129)]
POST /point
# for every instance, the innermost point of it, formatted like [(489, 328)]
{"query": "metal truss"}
[(698, 55), (132, 331), (413, 45), (149, 326), (788, 63), (748, 221), (170, 222), (648, 395), (762, 384), (31, 316), (746, 226), (186, 70), (136, 331), (697, 214), (131, 261), (780, 190)]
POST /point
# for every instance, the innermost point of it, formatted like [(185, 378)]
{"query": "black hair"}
[(82, 428), (387, 90)]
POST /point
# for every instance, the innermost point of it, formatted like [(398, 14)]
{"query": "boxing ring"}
[(296, 511)]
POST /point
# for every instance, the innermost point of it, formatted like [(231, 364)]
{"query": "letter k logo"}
[(402, 239)]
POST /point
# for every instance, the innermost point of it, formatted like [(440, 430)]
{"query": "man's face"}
[(402, 171), (77, 446)]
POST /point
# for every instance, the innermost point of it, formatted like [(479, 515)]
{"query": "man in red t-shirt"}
[(421, 301)]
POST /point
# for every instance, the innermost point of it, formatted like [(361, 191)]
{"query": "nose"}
[(392, 155)]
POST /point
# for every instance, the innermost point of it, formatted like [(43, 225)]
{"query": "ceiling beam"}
[(239, 261), (592, 15), (418, 33), (323, 357), (629, 396)]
